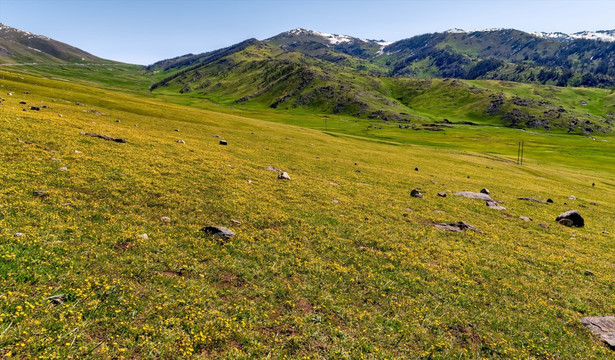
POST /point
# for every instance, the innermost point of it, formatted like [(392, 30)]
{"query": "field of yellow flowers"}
[(101, 253)]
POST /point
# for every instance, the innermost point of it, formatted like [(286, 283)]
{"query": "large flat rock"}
[(603, 327)]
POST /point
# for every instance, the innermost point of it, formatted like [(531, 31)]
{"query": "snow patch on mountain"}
[(333, 39), (601, 35)]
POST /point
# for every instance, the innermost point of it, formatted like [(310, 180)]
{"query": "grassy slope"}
[(363, 277)]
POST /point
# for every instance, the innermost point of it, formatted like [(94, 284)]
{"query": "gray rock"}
[(549, 201), (416, 193), (19, 234), (603, 327), (218, 231), (458, 226), (473, 195), (533, 200), (63, 168), (272, 168), (40, 193), (165, 219), (284, 176), (525, 218), (572, 197), (494, 205), (485, 191), (442, 194), (143, 236), (575, 219), (223, 142), (180, 142)]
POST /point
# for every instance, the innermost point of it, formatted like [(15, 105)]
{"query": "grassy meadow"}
[(337, 262)]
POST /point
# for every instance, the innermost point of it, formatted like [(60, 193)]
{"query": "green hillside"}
[(339, 261)]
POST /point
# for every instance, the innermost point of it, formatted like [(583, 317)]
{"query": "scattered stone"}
[(358, 170), (603, 327), (589, 273), (249, 181), (77, 152), (273, 168), (218, 231), (416, 193), (55, 159), (593, 203), (525, 218), (23, 102), (549, 201), (26, 92), (284, 176), (180, 141), (143, 236), (18, 235), (176, 130), (544, 226), (40, 193), (165, 219), (236, 222), (35, 108), (217, 136), (334, 184), (63, 168), (572, 197), (485, 191), (473, 195), (336, 201), (571, 218), (442, 194), (416, 169), (106, 137), (117, 120), (223, 142), (494, 205), (458, 226), (60, 115), (534, 200)]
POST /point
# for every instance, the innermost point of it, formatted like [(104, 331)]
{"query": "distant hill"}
[(265, 74), (19, 47)]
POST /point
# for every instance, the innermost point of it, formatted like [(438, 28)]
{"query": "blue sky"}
[(144, 31)]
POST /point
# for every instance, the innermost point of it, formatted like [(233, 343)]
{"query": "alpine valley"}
[(310, 195)]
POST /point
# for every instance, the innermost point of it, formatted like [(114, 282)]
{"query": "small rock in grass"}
[(176, 130), (415, 193), (442, 194), (532, 199), (218, 231), (550, 201), (63, 168), (54, 159), (525, 218), (249, 181), (458, 226), (60, 115), (473, 195), (165, 219), (494, 205), (544, 226), (18, 234), (416, 169), (571, 218), (180, 141), (336, 201), (236, 222), (603, 327), (589, 273), (77, 152), (572, 197), (272, 168), (143, 236), (217, 136), (57, 299), (485, 191), (284, 176), (223, 142), (40, 193)]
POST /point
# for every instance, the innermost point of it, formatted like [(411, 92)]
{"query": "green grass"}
[(365, 276)]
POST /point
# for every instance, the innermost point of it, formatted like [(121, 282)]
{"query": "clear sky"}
[(145, 31)]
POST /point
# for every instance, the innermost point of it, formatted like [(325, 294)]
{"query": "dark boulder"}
[(571, 218), (218, 231)]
